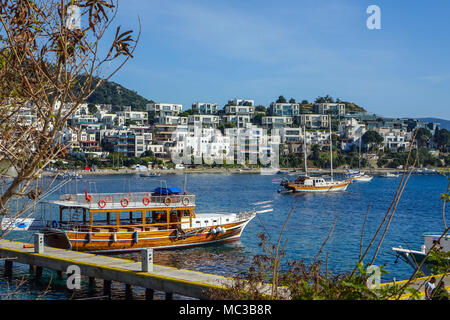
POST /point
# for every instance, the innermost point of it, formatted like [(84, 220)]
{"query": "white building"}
[(395, 138), (161, 110), (337, 109), (314, 121), (134, 117), (210, 121), (205, 107), (276, 122)]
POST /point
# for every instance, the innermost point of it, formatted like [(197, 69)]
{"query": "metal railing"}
[(129, 200)]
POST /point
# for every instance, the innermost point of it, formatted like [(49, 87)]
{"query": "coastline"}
[(290, 171)]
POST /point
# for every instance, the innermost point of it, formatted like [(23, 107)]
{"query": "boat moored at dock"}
[(432, 241), (117, 222)]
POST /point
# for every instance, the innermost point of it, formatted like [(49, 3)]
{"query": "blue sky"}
[(212, 51)]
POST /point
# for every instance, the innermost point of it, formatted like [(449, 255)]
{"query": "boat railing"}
[(245, 215), (129, 200)]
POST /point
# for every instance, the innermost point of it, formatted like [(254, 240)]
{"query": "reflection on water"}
[(225, 259)]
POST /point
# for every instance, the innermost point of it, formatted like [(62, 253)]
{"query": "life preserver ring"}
[(54, 224), (108, 198), (102, 203), (69, 197), (186, 201), (167, 201), (146, 200), (124, 202)]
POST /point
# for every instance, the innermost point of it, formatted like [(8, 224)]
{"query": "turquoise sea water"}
[(419, 211)]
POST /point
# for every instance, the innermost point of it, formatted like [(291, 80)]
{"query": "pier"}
[(166, 279)]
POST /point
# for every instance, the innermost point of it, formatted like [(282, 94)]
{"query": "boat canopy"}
[(170, 190)]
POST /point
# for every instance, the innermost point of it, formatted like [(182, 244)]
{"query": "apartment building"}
[(123, 141), (203, 120), (313, 121), (276, 122), (133, 117), (160, 111), (336, 109), (204, 108), (284, 109)]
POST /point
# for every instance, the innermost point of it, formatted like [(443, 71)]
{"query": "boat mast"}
[(360, 138), (331, 150), (304, 149)]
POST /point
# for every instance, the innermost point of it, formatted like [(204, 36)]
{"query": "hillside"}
[(117, 95), (444, 124)]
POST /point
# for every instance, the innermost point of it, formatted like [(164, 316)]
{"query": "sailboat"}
[(359, 176), (315, 184)]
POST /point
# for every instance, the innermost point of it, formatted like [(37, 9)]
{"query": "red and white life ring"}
[(167, 201), (124, 202), (146, 200), (186, 201), (102, 203), (108, 199)]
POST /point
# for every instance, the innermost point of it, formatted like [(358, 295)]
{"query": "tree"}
[(92, 108), (372, 138), (326, 99), (423, 136), (43, 56), (442, 139), (260, 108), (281, 99), (291, 100)]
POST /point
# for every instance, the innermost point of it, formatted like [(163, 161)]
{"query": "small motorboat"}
[(149, 175)]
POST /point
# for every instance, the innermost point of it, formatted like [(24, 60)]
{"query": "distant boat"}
[(149, 175), (390, 175), (69, 175), (363, 178)]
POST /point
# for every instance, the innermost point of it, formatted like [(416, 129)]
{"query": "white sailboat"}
[(358, 175)]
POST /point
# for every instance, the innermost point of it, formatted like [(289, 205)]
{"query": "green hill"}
[(117, 95)]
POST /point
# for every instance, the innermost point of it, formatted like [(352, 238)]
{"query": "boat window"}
[(104, 218), (159, 216)]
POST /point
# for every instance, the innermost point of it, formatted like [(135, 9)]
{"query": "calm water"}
[(419, 210)]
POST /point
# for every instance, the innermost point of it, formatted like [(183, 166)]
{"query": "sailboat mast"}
[(331, 149), (360, 138), (304, 149)]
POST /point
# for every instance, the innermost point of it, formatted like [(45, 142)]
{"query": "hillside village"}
[(106, 136)]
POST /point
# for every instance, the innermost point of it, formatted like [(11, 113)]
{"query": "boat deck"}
[(136, 200)]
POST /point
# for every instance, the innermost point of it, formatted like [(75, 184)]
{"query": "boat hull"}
[(134, 241), (319, 189)]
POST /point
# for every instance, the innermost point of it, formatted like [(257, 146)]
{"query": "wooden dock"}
[(166, 279)]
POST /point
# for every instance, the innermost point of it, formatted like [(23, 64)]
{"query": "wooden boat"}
[(119, 222), (315, 184)]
